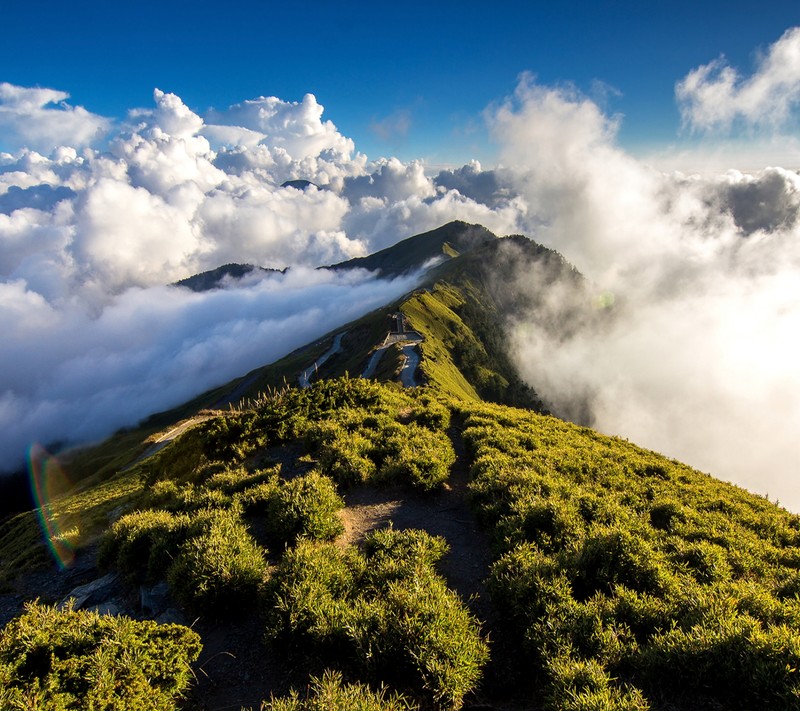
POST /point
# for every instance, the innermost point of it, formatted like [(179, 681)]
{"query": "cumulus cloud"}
[(41, 119), (715, 95), (89, 236), (488, 187), (695, 358)]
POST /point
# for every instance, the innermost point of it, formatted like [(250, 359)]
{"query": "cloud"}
[(715, 95), (39, 197), (768, 202), (696, 356), (395, 125), (41, 120), (487, 187), (72, 376), (93, 340), (294, 127)]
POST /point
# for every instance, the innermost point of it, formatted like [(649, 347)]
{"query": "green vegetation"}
[(616, 569), (620, 570), (54, 660), (356, 446), (330, 693), (383, 615), (615, 572), (81, 516)]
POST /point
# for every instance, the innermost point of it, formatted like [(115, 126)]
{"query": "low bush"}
[(343, 455), (730, 657), (584, 685), (330, 693), (219, 572), (415, 455), (59, 660), (431, 413), (142, 544), (384, 616), (306, 506), (617, 557)]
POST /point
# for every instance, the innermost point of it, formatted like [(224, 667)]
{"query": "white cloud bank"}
[(697, 358), (40, 118), (67, 375)]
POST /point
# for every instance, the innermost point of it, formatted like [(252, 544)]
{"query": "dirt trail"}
[(446, 513), (165, 438)]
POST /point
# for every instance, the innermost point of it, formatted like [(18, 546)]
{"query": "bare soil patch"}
[(445, 513)]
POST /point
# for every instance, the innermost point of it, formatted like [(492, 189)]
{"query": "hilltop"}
[(375, 546)]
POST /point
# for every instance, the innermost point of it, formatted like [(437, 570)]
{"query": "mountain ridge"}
[(383, 547)]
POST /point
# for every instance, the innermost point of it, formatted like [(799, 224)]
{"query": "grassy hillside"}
[(615, 569), (357, 545)]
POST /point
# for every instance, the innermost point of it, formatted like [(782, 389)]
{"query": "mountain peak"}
[(445, 242)]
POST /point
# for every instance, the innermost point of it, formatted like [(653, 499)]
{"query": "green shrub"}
[(59, 660), (384, 616), (142, 544), (706, 562), (553, 524), (219, 571), (258, 499), (583, 685), (665, 515), (233, 481), (729, 657), (431, 414), (525, 582), (343, 455), (330, 693), (617, 557), (415, 455), (395, 554), (306, 506)]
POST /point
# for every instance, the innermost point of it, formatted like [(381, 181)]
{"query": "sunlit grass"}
[(81, 516)]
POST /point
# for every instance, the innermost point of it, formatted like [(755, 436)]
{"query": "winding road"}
[(408, 374), (304, 379)]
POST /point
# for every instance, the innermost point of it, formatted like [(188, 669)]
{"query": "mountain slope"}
[(461, 309), (615, 568), (357, 535), (412, 253)]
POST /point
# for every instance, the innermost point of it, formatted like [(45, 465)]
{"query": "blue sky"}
[(408, 79)]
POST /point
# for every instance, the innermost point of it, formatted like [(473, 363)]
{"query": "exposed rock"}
[(106, 608), (93, 593), (171, 616), (156, 599)]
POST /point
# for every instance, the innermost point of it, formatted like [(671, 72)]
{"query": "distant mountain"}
[(299, 184), (446, 242), (212, 279), (465, 300)]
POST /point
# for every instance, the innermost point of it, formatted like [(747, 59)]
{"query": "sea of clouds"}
[(698, 359)]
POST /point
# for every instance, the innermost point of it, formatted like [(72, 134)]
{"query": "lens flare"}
[(48, 482), (603, 301)]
